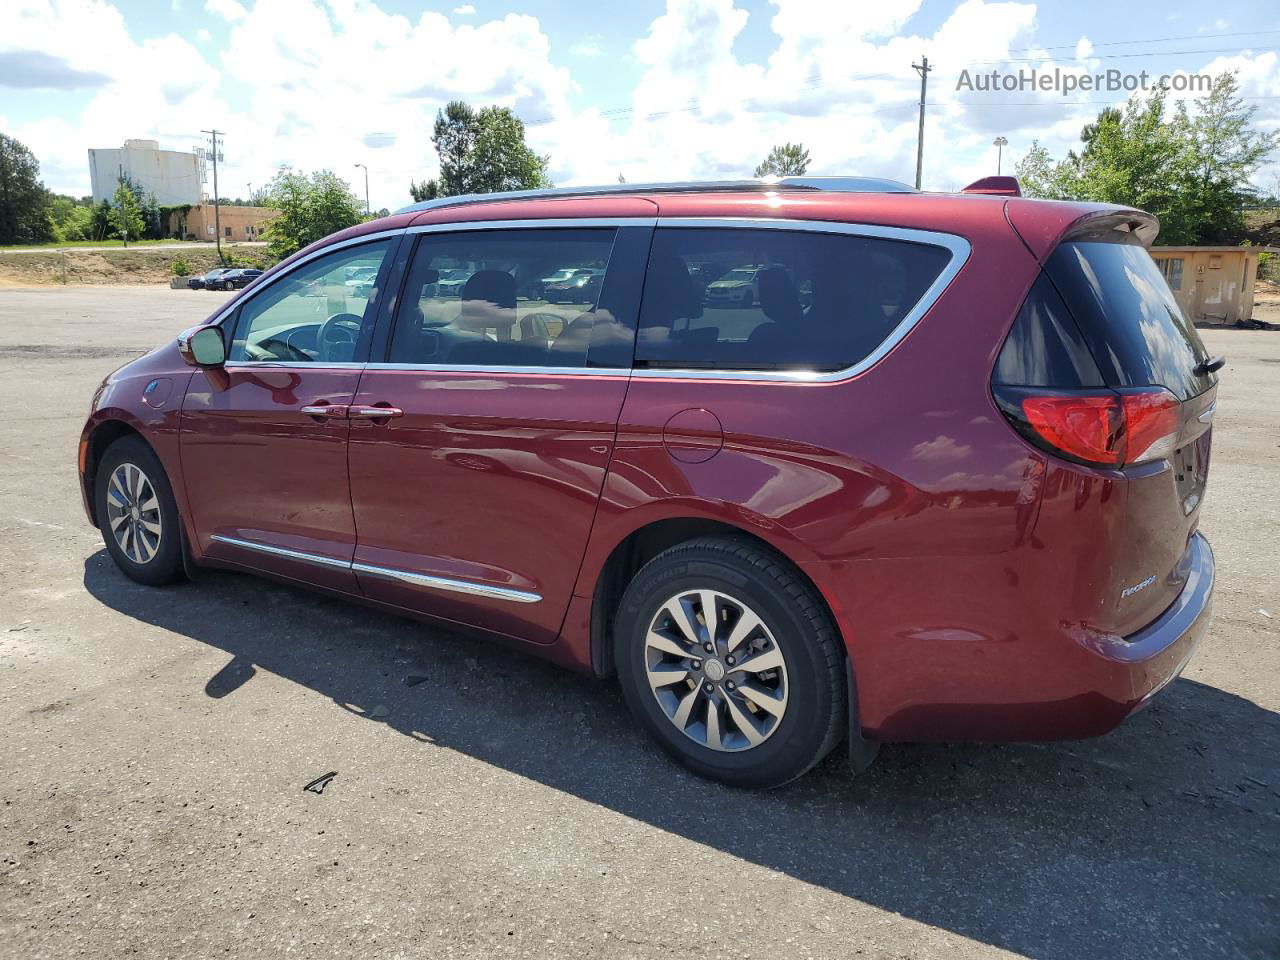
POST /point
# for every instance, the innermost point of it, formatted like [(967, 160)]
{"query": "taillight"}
[(1110, 428)]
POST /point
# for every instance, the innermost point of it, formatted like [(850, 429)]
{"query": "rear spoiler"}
[(995, 187), (1118, 226)]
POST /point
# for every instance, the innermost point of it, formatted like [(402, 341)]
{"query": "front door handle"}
[(326, 410), (374, 412)]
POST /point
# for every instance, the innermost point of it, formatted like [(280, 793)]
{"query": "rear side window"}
[(1128, 316), (1045, 347), (765, 299)]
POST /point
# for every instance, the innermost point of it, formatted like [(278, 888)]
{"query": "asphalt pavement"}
[(155, 745)]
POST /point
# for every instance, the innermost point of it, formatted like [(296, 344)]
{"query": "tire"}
[(228, 285), (155, 560), (806, 715)]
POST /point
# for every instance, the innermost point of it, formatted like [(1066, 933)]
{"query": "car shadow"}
[(1160, 839)]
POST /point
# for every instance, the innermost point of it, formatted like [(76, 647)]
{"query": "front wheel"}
[(228, 285), (729, 659), (137, 514)]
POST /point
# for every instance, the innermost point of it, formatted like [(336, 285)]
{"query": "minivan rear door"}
[(1140, 338)]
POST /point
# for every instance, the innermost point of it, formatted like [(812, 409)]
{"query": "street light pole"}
[(999, 143), (366, 188)]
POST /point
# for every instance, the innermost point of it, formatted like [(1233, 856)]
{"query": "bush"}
[(180, 268)]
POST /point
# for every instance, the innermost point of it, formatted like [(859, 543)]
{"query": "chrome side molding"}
[(314, 558), (445, 583), (387, 573)]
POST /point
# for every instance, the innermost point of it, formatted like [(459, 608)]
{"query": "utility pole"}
[(124, 221), (366, 188), (923, 69), (217, 220)]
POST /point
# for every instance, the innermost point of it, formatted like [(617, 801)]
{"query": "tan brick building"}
[(236, 223), (1211, 284)]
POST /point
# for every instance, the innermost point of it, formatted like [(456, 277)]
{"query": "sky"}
[(651, 90)]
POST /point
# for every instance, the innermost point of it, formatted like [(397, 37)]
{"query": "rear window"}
[(1127, 314), (765, 299)]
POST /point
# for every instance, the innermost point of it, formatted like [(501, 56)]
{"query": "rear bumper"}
[(1134, 669), (1040, 679)]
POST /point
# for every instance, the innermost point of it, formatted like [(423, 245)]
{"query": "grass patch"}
[(73, 244)]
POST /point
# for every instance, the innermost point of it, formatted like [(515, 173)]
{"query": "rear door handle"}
[(326, 411), (374, 412)]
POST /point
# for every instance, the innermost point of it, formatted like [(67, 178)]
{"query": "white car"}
[(740, 287)]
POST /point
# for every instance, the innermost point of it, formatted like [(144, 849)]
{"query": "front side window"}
[(500, 298), (765, 299), (316, 313)]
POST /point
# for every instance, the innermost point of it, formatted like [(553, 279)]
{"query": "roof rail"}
[(838, 184)]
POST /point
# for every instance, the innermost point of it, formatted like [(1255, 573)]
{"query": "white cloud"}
[(229, 10), (466, 10), (292, 86), (588, 47)]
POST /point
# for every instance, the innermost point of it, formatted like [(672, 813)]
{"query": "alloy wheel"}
[(133, 513), (716, 670)]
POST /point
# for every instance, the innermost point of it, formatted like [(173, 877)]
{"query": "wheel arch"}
[(644, 543), (96, 442)]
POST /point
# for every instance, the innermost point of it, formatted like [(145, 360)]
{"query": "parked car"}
[(207, 281), (237, 279), (953, 497), (451, 282), (581, 286), (737, 288), (360, 280)]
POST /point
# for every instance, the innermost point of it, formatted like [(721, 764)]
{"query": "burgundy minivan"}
[(814, 459)]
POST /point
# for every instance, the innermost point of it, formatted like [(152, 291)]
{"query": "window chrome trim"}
[(315, 558), (386, 573), (268, 278), (466, 226), (957, 246), (502, 370), (447, 584), (292, 364)]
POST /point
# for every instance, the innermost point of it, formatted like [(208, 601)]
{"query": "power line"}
[(1122, 43), (1123, 56)]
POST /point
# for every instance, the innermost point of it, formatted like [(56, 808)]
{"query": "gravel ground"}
[(155, 744)]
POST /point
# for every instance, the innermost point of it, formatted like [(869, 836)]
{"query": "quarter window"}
[(499, 298), (317, 312), (766, 299)]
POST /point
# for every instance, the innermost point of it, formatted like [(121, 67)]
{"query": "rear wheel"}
[(728, 658), (137, 514)]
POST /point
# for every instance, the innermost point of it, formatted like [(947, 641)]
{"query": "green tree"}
[(126, 213), (24, 202), (310, 208), (1191, 168), (480, 151), (72, 219), (1225, 153), (102, 223), (786, 160), (1039, 176)]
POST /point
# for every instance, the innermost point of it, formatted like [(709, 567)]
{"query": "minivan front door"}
[(479, 448), (264, 439)]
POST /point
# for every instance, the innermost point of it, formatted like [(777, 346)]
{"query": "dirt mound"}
[(146, 265)]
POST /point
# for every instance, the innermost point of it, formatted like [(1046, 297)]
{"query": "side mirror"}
[(203, 347)]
